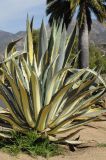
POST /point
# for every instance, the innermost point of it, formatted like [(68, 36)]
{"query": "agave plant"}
[(42, 92)]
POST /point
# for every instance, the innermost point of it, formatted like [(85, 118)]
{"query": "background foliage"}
[(97, 57)]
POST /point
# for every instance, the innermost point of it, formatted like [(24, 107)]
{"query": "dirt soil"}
[(90, 134)]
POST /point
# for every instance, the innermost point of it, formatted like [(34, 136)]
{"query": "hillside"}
[(6, 37), (97, 36)]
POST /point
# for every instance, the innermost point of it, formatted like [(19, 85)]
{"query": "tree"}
[(66, 9)]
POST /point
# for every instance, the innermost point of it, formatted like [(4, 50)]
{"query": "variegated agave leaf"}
[(44, 94)]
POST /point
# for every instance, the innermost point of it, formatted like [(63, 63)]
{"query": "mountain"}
[(6, 38), (97, 36), (98, 33)]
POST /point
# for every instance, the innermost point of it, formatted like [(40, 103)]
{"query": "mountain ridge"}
[(97, 36)]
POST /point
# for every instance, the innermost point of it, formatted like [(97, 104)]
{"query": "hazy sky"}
[(13, 13)]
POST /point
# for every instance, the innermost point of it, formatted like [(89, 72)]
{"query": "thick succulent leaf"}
[(55, 52), (6, 92), (31, 24), (76, 109), (47, 77), (30, 42), (43, 64), (14, 88), (71, 135), (52, 138), (61, 52), (4, 135), (12, 122), (70, 45), (77, 125), (6, 102), (31, 58), (48, 110), (20, 73), (72, 106), (56, 101), (92, 113), (9, 64), (85, 85), (91, 100), (60, 82), (67, 111), (75, 76), (14, 55), (59, 130), (51, 43), (26, 68), (12, 70), (73, 61), (10, 47), (74, 142), (26, 105), (52, 83), (26, 80), (36, 94), (98, 76), (43, 42), (42, 119)]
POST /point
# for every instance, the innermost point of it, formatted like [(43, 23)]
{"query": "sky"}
[(13, 14)]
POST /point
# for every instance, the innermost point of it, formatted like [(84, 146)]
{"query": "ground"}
[(92, 135)]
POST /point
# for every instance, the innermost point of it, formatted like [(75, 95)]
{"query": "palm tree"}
[(66, 9)]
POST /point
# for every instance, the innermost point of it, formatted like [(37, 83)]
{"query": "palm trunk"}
[(83, 45)]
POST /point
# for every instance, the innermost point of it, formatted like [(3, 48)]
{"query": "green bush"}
[(31, 144), (97, 58)]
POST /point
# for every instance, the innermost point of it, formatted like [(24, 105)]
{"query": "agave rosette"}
[(43, 92)]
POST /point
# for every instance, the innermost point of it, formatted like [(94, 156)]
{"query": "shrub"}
[(97, 58), (29, 143)]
